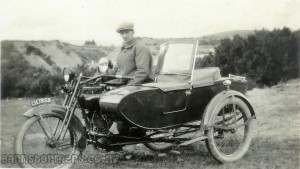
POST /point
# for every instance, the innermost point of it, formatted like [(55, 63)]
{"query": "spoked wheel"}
[(230, 134), (159, 146), (37, 145)]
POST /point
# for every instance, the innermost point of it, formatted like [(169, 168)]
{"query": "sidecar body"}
[(180, 93)]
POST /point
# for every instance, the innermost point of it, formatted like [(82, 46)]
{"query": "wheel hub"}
[(52, 143)]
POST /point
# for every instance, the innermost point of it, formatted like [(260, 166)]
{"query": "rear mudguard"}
[(218, 99), (59, 110)]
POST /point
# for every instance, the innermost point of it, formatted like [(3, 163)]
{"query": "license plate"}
[(40, 101)]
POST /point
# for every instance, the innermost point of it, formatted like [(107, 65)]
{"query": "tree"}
[(223, 59), (206, 61), (267, 57), (20, 79)]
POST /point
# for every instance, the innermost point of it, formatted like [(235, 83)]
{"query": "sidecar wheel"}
[(230, 134), (34, 149)]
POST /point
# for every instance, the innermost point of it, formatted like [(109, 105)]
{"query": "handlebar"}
[(93, 88), (112, 76), (119, 77)]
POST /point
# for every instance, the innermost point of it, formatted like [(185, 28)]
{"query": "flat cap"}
[(125, 26)]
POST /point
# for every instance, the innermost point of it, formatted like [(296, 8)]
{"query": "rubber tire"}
[(20, 137), (210, 144)]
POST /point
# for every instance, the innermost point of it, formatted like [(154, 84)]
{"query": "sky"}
[(76, 21)]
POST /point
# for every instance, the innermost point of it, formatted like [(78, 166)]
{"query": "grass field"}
[(275, 144)]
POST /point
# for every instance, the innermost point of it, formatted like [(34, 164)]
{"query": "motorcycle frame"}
[(70, 104)]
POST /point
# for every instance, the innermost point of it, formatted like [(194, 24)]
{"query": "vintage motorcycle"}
[(181, 101)]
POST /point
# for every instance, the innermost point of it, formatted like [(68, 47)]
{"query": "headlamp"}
[(68, 74), (103, 64)]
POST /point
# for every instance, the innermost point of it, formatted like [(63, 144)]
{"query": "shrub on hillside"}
[(206, 61), (19, 79), (267, 57), (36, 51)]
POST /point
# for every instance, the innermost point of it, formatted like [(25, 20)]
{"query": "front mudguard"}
[(59, 110), (218, 99)]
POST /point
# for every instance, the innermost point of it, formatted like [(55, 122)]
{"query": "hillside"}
[(52, 55), (229, 34), (213, 39), (33, 68), (207, 43)]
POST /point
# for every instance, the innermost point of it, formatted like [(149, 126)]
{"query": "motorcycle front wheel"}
[(37, 145)]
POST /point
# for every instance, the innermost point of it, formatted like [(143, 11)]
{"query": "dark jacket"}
[(135, 60)]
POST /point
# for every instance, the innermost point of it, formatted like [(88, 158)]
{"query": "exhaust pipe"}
[(201, 138)]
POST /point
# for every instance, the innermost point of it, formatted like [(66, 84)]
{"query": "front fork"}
[(70, 103)]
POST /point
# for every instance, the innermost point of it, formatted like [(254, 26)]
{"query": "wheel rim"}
[(44, 151), (229, 131)]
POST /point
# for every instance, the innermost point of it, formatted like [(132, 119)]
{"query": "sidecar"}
[(184, 99), (181, 93)]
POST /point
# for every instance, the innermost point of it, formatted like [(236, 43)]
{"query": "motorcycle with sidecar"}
[(183, 105)]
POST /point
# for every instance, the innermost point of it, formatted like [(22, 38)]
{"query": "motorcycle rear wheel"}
[(35, 146)]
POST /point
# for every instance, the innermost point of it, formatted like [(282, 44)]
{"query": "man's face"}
[(127, 35)]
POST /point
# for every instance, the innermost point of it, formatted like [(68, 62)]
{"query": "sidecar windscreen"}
[(176, 58)]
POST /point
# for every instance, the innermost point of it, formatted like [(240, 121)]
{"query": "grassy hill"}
[(34, 67), (207, 43), (212, 39), (52, 54), (229, 34)]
